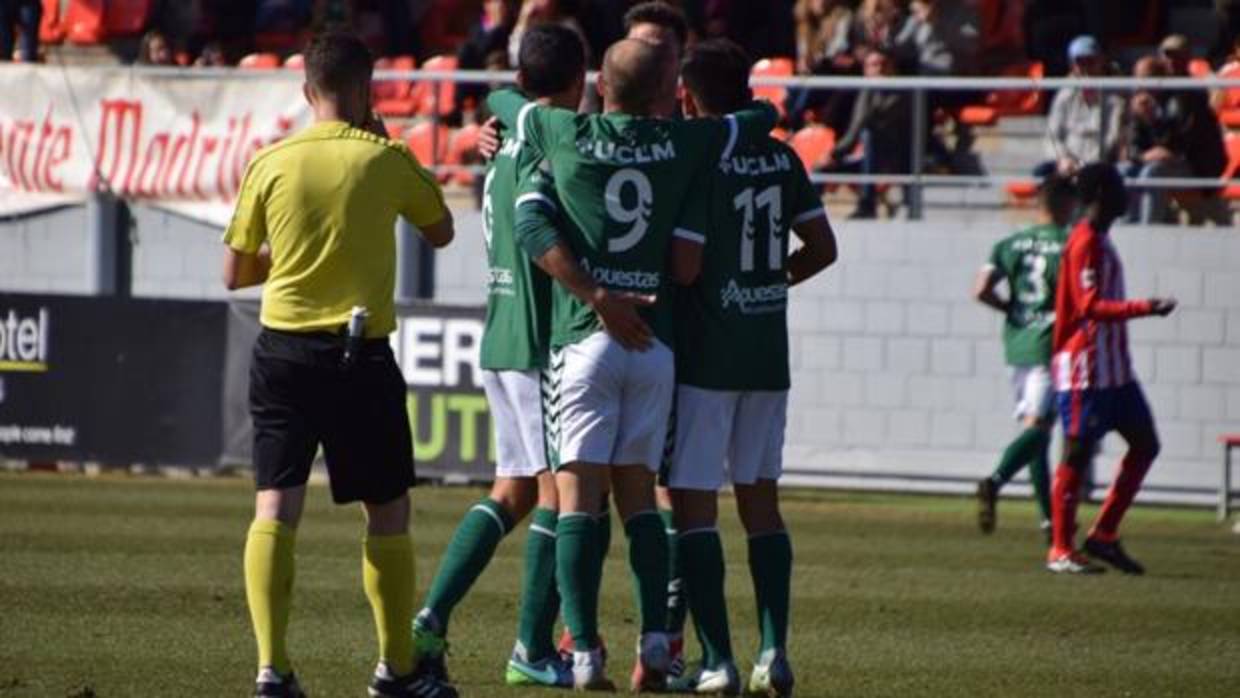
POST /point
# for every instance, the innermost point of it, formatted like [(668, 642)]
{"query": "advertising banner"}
[(174, 140), (115, 381)]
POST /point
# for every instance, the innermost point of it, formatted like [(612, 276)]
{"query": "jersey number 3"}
[(636, 185)]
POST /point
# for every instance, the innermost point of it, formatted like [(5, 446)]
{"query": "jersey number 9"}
[(636, 213)]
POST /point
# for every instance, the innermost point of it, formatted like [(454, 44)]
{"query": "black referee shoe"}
[(1113, 554), (272, 684), (386, 685)]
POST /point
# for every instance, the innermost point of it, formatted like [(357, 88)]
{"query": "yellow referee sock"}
[(388, 575), (269, 588)]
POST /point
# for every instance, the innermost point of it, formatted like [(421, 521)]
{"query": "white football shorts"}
[(515, 398), (613, 404), (1034, 392), (727, 436)]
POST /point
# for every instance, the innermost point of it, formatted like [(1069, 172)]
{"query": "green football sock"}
[(677, 607), (701, 553), (603, 527), (648, 561), (576, 565), (1039, 475), (770, 566), (467, 555), (540, 601), (1023, 449)]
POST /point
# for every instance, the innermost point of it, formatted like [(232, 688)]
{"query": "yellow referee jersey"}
[(326, 201)]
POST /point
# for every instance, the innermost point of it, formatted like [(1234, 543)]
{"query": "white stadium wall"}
[(898, 376)]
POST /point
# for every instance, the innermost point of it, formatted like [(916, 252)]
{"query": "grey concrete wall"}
[(898, 371), (898, 375)]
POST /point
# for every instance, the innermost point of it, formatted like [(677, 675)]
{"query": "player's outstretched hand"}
[(618, 313), (488, 138), (1162, 307)]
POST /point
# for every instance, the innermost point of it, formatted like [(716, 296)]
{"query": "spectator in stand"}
[(1231, 60), (212, 56), (824, 48), (875, 25), (155, 50), (1227, 21), (24, 14), (487, 37), (1198, 127), (1084, 124), (562, 12), (940, 38), (882, 124), (1154, 150)]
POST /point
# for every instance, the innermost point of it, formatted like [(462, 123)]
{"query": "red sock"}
[(1064, 495), (1132, 470)]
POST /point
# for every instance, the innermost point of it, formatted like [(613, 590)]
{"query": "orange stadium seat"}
[(1229, 107), (424, 92), (83, 21), (1001, 103), (812, 143), (1021, 192), (394, 97), (1232, 191), (259, 61), (463, 150), (773, 68), (295, 62), (429, 144), (50, 29), (126, 17)]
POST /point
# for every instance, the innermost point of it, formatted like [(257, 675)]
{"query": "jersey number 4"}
[(746, 202)]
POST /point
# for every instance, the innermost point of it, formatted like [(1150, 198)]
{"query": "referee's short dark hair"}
[(661, 14), (336, 60), (552, 58), (716, 73)]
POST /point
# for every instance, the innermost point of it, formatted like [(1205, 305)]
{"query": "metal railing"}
[(916, 180)]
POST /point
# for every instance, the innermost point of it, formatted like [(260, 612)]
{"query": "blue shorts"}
[(1088, 415)]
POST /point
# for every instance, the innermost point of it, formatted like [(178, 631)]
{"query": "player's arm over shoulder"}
[(717, 136), (531, 123), (420, 199)]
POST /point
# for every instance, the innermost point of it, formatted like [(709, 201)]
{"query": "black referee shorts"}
[(301, 397)]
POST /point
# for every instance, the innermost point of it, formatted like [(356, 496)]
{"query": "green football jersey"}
[(1029, 261), (622, 182), (518, 321), (732, 324)]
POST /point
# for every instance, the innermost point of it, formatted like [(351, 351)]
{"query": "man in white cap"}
[(1084, 124)]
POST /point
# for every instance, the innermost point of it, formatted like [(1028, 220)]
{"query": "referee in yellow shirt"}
[(314, 223)]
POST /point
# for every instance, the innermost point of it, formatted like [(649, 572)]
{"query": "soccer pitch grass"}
[(133, 587)]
